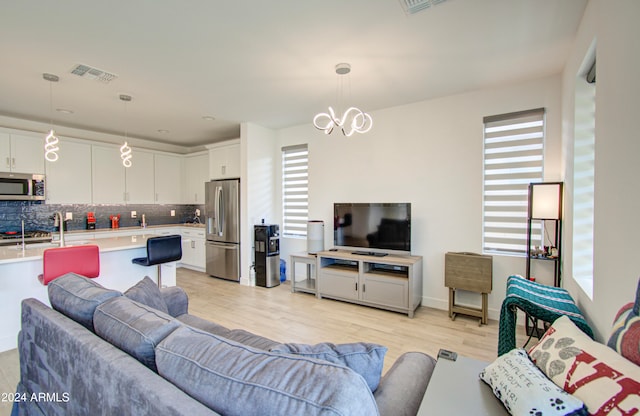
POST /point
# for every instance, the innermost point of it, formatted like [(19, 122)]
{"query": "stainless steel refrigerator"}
[(222, 212)]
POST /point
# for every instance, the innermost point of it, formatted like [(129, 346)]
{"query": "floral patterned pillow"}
[(524, 390), (605, 381)]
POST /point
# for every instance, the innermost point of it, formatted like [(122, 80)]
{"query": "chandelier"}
[(125, 150), (51, 140), (353, 120)]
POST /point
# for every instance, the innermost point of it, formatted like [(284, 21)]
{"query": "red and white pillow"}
[(625, 334), (605, 381)]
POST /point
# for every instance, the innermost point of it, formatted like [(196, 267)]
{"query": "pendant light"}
[(353, 120), (51, 140), (125, 150)]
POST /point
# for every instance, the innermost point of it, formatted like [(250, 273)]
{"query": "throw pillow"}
[(605, 381), (236, 379), (77, 297), (363, 358), (524, 390), (133, 327), (625, 334), (146, 291)]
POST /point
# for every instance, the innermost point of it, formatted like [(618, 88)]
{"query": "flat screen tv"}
[(372, 228)]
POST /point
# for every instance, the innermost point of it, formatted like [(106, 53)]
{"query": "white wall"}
[(258, 153), (430, 154), (613, 26)]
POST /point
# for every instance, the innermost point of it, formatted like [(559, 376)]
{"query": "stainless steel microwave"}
[(21, 187)]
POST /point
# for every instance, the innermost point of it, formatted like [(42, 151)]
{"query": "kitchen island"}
[(19, 270)]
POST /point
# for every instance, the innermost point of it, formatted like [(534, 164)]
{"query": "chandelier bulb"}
[(125, 155), (51, 146)]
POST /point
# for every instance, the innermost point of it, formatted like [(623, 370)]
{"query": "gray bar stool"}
[(160, 250)]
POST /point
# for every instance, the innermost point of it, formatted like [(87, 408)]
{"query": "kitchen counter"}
[(19, 269), (108, 239), (13, 254)]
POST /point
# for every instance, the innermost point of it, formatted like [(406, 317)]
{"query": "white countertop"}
[(13, 254)]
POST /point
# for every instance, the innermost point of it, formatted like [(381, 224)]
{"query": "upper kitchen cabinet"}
[(168, 179), (196, 173), (224, 160), (69, 178), (21, 153), (107, 175), (140, 186)]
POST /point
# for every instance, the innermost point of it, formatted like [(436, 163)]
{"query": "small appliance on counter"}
[(91, 221), (115, 221)]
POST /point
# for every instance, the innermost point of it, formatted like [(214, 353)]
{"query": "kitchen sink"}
[(34, 246), (55, 244)]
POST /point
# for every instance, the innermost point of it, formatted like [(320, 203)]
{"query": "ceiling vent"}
[(414, 6), (86, 71)]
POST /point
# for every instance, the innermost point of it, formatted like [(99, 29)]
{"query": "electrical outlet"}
[(173, 212), (134, 214), (197, 212), (68, 215)]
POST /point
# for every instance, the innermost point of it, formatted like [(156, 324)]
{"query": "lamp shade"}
[(545, 200)]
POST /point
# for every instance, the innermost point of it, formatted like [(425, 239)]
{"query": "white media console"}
[(392, 282)]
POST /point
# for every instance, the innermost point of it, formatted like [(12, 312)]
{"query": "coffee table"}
[(456, 389)]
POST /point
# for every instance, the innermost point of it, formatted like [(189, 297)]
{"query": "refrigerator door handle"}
[(221, 217)]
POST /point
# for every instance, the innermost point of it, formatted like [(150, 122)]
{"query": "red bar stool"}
[(83, 260)]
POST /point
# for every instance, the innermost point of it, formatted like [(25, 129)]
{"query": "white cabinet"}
[(390, 282), (168, 179), (69, 178), (167, 231), (107, 175), (139, 182), (224, 160), (193, 249), (196, 173), (21, 153)]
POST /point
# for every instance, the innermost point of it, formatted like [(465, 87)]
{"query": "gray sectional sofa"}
[(99, 352)]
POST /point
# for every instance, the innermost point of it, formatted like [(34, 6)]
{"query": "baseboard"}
[(444, 306)]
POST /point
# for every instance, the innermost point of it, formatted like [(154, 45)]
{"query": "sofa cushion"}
[(146, 291), (77, 297), (625, 334), (364, 358), (235, 379), (604, 380), (524, 390), (133, 327), (251, 339)]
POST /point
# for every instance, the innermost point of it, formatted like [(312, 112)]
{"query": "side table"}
[(471, 272), (309, 284), (455, 388)]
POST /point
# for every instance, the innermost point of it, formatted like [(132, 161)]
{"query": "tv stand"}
[(369, 253), (392, 282)]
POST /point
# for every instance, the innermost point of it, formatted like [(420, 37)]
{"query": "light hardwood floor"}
[(278, 314)]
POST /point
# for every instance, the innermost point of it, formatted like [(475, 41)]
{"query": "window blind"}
[(295, 190), (513, 157)]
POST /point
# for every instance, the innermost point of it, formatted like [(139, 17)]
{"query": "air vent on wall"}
[(414, 6), (89, 72)]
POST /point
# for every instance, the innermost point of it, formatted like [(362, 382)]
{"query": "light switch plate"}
[(173, 212)]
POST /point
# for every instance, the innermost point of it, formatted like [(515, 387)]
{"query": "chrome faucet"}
[(59, 222)]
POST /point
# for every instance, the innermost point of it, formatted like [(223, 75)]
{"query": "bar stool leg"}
[(159, 276)]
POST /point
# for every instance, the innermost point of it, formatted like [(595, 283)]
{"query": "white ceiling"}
[(270, 62)]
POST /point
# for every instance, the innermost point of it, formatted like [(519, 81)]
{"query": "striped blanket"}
[(540, 301)]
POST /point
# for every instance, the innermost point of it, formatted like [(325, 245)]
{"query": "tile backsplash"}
[(38, 216)]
